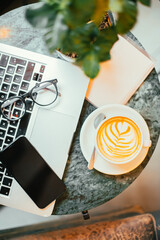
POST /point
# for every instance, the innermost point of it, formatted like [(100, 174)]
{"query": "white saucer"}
[(87, 135)]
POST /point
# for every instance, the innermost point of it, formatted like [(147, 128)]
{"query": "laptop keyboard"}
[(16, 74)]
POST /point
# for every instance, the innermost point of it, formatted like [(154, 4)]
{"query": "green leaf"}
[(82, 38), (104, 42), (145, 2), (106, 38), (104, 56), (89, 39), (79, 12), (127, 18), (51, 2), (61, 3), (56, 33), (41, 17), (67, 27), (100, 9), (116, 5), (90, 65)]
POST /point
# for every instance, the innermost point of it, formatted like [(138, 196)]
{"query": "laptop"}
[(49, 129)]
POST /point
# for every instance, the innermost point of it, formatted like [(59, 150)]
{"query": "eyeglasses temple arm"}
[(59, 94), (45, 86)]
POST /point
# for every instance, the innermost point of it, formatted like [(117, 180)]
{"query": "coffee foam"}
[(119, 139)]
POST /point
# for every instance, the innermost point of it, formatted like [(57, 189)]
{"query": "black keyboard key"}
[(19, 104), (19, 61), (2, 71), (12, 95), (20, 70), (21, 93), (35, 76), (29, 105), (23, 124), (11, 131), (4, 191), (5, 87), (4, 60), (0, 80), (5, 112), (1, 175), (3, 96), (14, 123), (10, 69), (40, 78), (4, 146), (2, 168), (17, 113), (7, 181), (17, 79), (14, 88), (1, 141), (25, 86), (2, 133), (8, 174), (3, 123), (42, 68), (7, 78), (8, 140), (29, 71)]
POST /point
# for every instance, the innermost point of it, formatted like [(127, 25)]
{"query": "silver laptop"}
[(49, 129)]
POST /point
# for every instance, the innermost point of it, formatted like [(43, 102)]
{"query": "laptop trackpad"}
[(51, 136)]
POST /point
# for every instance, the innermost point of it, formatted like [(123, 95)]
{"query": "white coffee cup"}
[(119, 138)]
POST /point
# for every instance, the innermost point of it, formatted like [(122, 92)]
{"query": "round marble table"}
[(88, 189)]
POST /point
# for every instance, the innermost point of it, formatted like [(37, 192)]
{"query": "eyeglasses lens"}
[(13, 108), (45, 93)]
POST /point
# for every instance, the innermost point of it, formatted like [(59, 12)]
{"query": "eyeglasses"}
[(43, 94)]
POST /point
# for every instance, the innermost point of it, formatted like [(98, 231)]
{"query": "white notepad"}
[(119, 77)]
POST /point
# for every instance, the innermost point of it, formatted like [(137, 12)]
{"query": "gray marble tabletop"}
[(88, 189)]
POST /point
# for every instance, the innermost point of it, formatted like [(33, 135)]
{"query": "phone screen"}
[(32, 172)]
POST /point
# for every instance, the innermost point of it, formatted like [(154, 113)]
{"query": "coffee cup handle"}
[(147, 143)]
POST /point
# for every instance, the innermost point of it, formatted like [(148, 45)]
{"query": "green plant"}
[(74, 26)]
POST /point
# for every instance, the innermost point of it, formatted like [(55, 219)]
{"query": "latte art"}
[(119, 139)]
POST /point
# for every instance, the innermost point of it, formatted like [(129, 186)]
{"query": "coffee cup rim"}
[(140, 148)]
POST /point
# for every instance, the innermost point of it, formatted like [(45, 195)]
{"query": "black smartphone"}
[(31, 171)]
